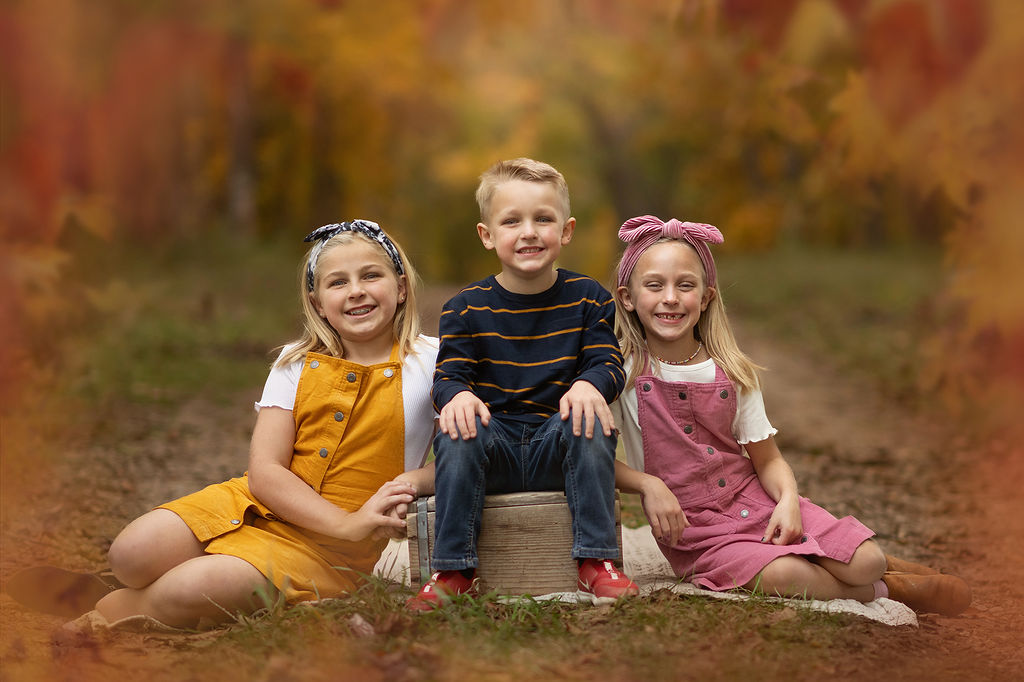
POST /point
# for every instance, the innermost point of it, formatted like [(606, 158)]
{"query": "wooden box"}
[(524, 546)]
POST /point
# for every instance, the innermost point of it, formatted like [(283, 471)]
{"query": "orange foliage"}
[(834, 121)]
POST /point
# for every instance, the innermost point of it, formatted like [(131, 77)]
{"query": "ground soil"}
[(933, 493)]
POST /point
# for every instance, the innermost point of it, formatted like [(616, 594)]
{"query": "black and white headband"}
[(322, 235)]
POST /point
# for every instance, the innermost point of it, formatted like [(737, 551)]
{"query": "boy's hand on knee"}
[(584, 403), (458, 417)]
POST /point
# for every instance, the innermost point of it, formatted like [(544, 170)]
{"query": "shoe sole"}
[(590, 598)]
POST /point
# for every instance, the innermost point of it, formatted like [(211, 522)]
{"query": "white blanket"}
[(645, 564)]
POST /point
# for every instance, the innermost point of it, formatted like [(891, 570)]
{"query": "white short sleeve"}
[(282, 384), (417, 377), (751, 424)]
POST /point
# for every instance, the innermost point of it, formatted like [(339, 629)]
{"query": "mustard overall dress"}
[(349, 440)]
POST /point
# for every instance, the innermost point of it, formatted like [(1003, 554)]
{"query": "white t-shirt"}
[(417, 378), (750, 424)]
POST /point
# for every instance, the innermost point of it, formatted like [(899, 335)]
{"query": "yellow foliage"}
[(817, 28), (93, 213), (859, 131), (753, 225)]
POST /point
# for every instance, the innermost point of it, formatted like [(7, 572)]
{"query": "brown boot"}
[(945, 594), (897, 565)]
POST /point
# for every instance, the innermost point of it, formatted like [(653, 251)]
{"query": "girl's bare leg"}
[(795, 576), (150, 546), (865, 566), (210, 588)]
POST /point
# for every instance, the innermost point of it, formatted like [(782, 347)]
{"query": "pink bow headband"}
[(642, 232)]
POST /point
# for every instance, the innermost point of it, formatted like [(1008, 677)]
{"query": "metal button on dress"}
[(351, 376), (646, 387), (323, 452), (235, 522), (711, 451), (744, 514), (721, 483), (389, 372), (687, 429), (724, 394), (682, 395), (314, 364), (803, 539), (338, 416)]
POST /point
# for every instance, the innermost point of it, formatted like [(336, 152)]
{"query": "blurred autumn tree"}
[(839, 122)]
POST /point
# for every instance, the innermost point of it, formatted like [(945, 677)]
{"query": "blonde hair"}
[(712, 329), (519, 169), (320, 337)]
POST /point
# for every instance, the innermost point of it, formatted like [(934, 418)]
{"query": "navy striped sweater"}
[(520, 353)]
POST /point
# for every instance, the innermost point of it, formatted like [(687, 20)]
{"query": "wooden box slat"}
[(524, 545)]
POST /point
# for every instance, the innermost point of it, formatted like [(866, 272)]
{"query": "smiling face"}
[(357, 293), (527, 229), (667, 292)]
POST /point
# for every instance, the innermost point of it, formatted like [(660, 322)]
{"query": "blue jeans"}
[(509, 457)]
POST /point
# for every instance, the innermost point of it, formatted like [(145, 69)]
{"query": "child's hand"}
[(374, 514), (458, 417), (399, 512), (663, 511), (585, 403), (785, 525), (394, 532)]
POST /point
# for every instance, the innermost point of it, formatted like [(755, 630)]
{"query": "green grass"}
[(867, 312), (158, 325), (659, 637), (162, 323)]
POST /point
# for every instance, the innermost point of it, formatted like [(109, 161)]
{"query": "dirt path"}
[(930, 493), (930, 496)]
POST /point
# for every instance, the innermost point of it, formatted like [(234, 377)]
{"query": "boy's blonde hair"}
[(320, 337), (713, 330), (519, 169)]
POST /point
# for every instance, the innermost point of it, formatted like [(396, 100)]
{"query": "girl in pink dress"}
[(721, 500)]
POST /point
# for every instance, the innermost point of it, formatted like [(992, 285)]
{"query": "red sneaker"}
[(601, 582), (441, 587)]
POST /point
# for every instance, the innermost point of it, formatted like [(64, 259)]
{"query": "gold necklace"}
[(700, 345)]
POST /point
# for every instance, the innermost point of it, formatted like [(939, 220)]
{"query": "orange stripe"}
[(518, 390), (509, 362), (531, 310), (512, 338)]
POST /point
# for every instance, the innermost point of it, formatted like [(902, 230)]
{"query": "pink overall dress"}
[(686, 429)]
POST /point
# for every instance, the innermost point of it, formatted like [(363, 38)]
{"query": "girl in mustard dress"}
[(345, 411)]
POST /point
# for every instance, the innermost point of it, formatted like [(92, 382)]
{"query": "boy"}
[(527, 367)]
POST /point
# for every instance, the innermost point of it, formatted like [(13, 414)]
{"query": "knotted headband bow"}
[(322, 235), (642, 232)]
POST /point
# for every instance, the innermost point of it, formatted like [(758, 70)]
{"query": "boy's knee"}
[(458, 451), (460, 458), (599, 446)]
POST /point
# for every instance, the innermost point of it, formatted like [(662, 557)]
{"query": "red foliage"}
[(912, 50), (767, 21), (34, 113)]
